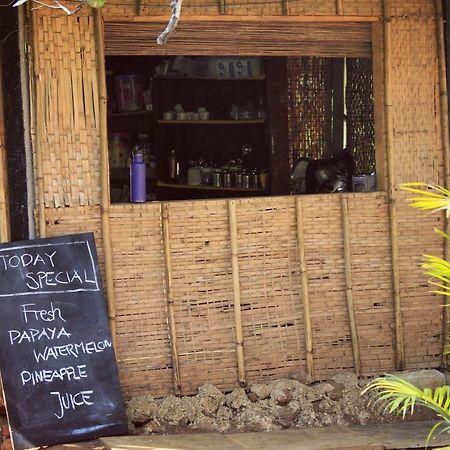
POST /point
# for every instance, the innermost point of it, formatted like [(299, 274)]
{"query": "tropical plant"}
[(398, 395)]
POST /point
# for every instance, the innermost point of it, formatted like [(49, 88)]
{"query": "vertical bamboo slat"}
[(399, 347), (349, 285), (104, 167), (170, 301), (222, 6), (236, 293), (446, 146), (339, 8), (4, 216), (305, 289), (38, 120)]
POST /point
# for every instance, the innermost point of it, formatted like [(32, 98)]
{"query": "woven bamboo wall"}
[(67, 92), (190, 243)]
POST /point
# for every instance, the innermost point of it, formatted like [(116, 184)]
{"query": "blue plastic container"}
[(138, 186)]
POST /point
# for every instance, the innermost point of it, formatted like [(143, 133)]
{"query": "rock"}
[(252, 397), (175, 411), (281, 396), (284, 416), (261, 390), (210, 399), (347, 379), (302, 376), (204, 424), (223, 419), (152, 427), (253, 418), (283, 389), (237, 399), (424, 378), (141, 409)]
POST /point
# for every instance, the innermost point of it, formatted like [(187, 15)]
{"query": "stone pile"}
[(277, 405)]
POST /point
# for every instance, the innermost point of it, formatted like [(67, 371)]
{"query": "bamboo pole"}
[(399, 347), (104, 172), (170, 301), (38, 122), (446, 148), (4, 213), (349, 285), (222, 7), (339, 8), (139, 7), (236, 293), (305, 288), (239, 18)]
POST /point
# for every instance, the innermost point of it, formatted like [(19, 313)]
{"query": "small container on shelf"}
[(119, 147), (129, 92), (138, 186)]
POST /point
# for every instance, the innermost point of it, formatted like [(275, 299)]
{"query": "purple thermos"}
[(137, 178)]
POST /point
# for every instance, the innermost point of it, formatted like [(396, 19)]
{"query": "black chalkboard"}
[(56, 357)]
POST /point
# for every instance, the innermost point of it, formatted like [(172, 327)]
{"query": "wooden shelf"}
[(210, 122), (181, 77), (129, 113), (163, 184)]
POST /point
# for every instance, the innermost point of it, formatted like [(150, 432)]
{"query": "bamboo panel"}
[(143, 348), (362, 7), (421, 310), (252, 8), (67, 94), (202, 289), (418, 8), (372, 285), (324, 248), (311, 7), (415, 101), (61, 221), (241, 38), (272, 307)]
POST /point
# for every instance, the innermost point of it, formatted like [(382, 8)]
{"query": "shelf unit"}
[(211, 122), (163, 184)]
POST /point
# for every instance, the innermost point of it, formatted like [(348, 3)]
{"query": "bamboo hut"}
[(234, 291)]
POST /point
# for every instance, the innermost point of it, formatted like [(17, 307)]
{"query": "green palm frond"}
[(400, 397), (430, 197)]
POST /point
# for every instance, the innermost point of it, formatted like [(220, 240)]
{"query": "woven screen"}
[(360, 120), (309, 107)]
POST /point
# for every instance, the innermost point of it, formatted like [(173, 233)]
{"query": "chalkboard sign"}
[(56, 357)]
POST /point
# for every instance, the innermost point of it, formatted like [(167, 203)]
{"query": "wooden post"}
[(349, 285), (4, 216), (38, 120), (305, 288), (104, 174), (222, 7), (446, 148), (339, 8), (170, 301), (399, 348), (236, 293), (139, 7)]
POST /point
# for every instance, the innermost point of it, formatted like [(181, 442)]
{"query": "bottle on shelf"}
[(172, 165), (138, 188)]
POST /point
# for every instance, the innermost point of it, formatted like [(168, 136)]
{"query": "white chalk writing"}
[(47, 376), (74, 350), (68, 401)]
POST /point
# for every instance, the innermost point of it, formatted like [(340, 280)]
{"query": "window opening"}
[(208, 127)]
